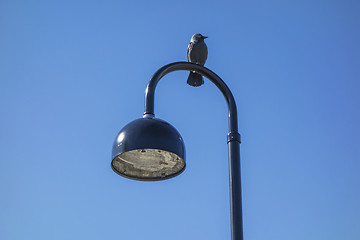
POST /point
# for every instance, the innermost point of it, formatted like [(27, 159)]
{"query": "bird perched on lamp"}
[(196, 53)]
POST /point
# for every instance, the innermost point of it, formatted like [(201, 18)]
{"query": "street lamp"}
[(150, 149)]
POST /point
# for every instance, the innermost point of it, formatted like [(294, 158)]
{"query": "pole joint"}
[(233, 136)]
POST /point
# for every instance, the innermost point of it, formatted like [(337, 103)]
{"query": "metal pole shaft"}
[(235, 190)]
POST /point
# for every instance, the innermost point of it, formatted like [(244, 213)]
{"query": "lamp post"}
[(150, 149)]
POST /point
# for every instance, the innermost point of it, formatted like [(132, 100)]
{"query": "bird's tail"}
[(195, 79)]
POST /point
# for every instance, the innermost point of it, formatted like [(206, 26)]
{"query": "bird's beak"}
[(204, 37)]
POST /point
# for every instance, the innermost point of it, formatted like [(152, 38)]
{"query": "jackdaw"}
[(196, 53)]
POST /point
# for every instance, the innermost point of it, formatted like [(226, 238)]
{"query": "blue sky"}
[(73, 73)]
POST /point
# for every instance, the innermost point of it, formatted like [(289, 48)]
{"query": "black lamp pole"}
[(150, 149), (233, 137)]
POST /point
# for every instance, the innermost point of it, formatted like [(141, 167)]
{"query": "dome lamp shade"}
[(148, 149)]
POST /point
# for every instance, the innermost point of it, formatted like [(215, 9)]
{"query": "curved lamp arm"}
[(150, 90), (233, 136)]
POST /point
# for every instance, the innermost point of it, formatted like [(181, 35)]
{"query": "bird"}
[(197, 53)]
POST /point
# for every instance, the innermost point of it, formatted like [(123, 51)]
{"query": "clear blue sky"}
[(73, 73)]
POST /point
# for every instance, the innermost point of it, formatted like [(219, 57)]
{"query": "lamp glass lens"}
[(148, 164)]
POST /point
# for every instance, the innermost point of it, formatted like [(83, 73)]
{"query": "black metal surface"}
[(134, 135)]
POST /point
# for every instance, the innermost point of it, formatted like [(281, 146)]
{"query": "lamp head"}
[(148, 149)]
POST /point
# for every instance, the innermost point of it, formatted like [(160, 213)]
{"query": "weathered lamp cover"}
[(148, 149)]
